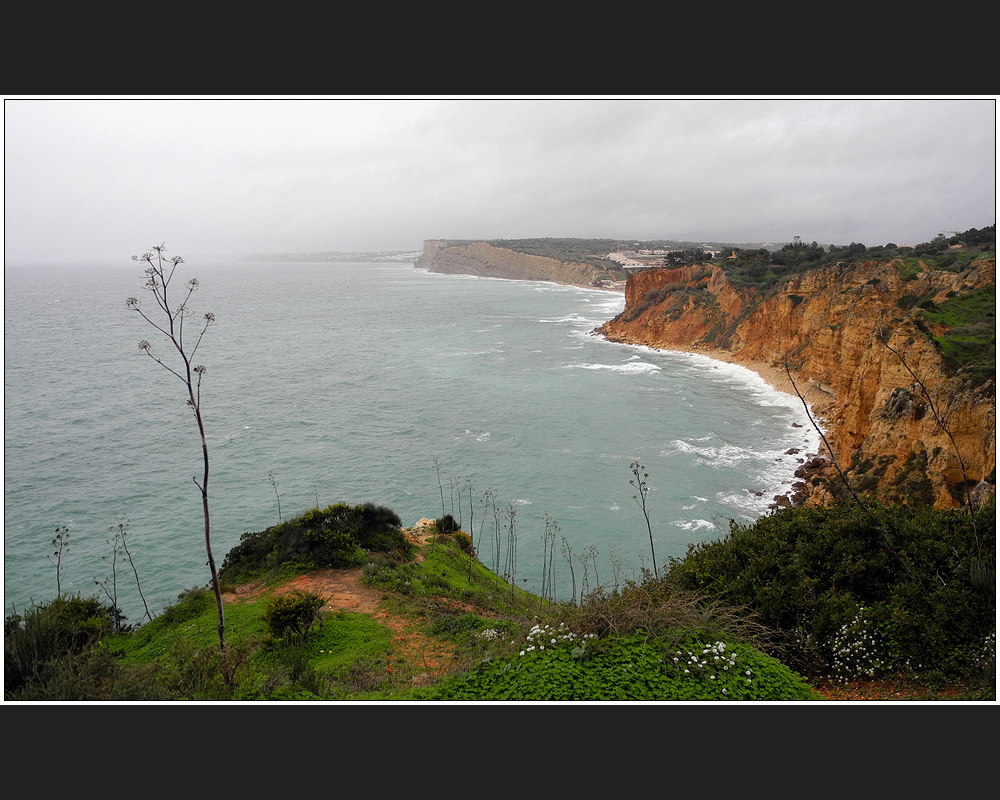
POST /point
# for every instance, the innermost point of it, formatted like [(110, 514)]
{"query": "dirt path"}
[(344, 591)]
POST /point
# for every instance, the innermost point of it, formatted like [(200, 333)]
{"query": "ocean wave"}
[(750, 504), (729, 455), (694, 524), (637, 368), (574, 319), (726, 455)]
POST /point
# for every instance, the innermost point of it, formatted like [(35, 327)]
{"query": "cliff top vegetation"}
[(801, 605), (766, 268), (763, 266)]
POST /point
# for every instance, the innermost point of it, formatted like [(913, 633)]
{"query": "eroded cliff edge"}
[(488, 261), (827, 325)]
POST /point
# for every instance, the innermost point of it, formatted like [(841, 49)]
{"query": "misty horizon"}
[(101, 179)]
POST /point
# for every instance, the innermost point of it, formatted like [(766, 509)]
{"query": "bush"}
[(446, 524), (190, 604), (808, 573), (35, 642), (464, 541), (336, 536), (293, 614), (385, 573)]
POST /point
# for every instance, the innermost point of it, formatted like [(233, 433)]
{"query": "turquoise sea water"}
[(346, 382)]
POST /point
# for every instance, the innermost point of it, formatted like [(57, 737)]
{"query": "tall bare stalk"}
[(639, 482), (274, 483), (61, 545), (159, 273)]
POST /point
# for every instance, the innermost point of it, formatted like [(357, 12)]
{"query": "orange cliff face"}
[(824, 324)]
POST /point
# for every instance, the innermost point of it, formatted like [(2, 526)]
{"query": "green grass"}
[(979, 305), (193, 621), (183, 647), (447, 571), (649, 641), (909, 268), (343, 640), (970, 342)]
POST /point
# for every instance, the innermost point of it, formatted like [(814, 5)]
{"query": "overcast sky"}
[(96, 179)]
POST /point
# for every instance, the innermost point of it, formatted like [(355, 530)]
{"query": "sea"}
[(489, 399)]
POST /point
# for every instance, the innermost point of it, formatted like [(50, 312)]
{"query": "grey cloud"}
[(103, 178)]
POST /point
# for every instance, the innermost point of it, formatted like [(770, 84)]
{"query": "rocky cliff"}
[(480, 258), (828, 325)]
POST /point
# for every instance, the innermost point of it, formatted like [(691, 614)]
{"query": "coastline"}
[(817, 402), (772, 374)]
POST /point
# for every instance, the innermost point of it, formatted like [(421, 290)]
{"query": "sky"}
[(104, 178)]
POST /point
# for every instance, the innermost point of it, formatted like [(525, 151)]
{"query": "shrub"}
[(336, 536), (293, 614), (808, 572), (656, 608), (385, 573), (464, 541), (446, 524), (190, 604), (44, 635)]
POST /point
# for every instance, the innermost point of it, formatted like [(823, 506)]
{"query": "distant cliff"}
[(824, 324), (488, 261)]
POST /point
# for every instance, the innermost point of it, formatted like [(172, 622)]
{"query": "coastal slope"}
[(488, 261), (850, 334)]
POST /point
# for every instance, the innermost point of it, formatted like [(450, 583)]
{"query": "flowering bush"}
[(489, 635), (806, 572), (986, 657), (542, 636), (624, 668), (858, 650)]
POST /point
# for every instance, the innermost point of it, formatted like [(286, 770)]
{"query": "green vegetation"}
[(336, 536), (765, 268), (294, 614), (969, 345), (337, 656), (556, 664), (449, 572), (829, 592), (39, 642), (852, 594)]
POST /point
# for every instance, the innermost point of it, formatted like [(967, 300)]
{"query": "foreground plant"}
[(639, 482), (61, 545), (159, 273), (109, 585)]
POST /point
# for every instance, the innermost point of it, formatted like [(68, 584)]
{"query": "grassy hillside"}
[(801, 598), (969, 344)]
